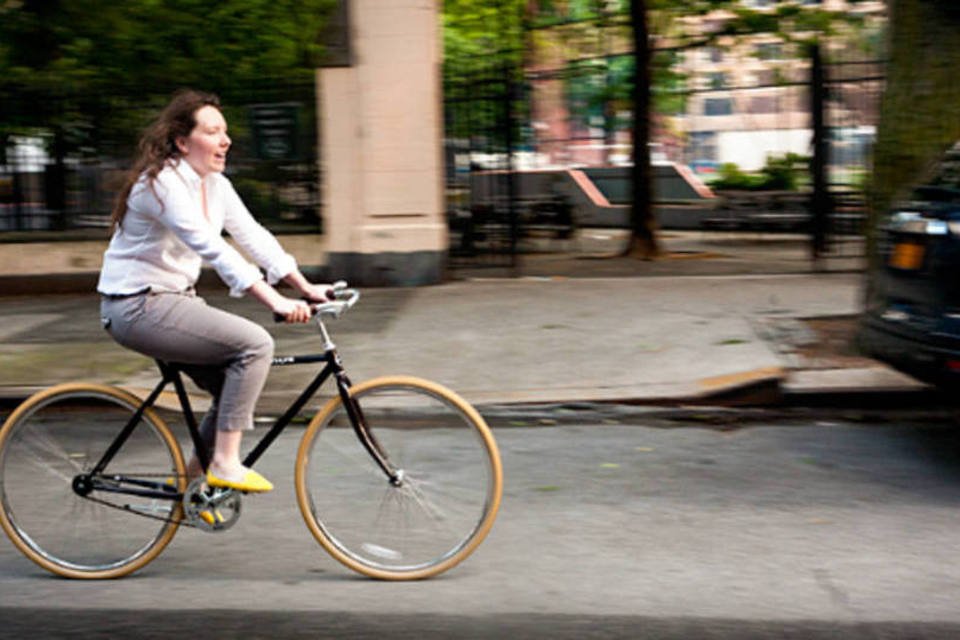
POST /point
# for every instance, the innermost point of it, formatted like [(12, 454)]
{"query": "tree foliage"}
[(665, 29), (478, 33), (485, 32), (142, 45), (94, 72)]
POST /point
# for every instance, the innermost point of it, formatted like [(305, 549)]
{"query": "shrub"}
[(781, 173), (731, 177)]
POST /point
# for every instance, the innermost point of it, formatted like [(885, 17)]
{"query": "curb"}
[(763, 387)]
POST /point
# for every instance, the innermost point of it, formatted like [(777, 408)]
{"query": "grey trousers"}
[(226, 355)]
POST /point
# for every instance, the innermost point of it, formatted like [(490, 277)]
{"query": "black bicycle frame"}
[(171, 373)]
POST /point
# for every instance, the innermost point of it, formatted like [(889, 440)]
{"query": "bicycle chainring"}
[(210, 509)]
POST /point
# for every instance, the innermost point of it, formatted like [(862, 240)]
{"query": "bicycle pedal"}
[(212, 517)]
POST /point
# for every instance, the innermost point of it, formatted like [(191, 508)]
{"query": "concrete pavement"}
[(631, 523), (705, 322)]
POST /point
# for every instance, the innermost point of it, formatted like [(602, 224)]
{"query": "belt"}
[(191, 291), (121, 296)]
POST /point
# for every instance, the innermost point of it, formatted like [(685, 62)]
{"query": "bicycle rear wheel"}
[(440, 511), (46, 447)]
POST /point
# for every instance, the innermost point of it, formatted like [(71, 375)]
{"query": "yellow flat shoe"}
[(252, 482)]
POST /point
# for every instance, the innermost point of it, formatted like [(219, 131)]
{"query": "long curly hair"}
[(158, 144)]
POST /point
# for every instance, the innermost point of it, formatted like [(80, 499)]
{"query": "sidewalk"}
[(766, 329)]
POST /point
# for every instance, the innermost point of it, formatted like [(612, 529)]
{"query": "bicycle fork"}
[(363, 432)]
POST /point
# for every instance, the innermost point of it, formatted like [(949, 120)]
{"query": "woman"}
[(167, 220)]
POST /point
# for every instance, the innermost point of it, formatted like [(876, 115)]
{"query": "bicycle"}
[(397, 478)]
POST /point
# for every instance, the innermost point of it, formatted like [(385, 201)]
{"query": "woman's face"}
[(206, 146)]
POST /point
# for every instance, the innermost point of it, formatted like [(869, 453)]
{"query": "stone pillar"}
[(381, 147)]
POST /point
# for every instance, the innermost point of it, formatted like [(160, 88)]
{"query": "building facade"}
[(749, 96)]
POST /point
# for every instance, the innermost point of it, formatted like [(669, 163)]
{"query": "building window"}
[(717, 107), (769, 51), (703, 145), (713, 54), (763, 104), (765, 77), (717, 80)]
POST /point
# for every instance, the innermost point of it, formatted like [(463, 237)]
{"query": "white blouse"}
[(165, 237)]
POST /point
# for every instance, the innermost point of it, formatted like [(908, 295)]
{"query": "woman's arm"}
[(254, 238), (319, 292), (264, 248), (291, 310)]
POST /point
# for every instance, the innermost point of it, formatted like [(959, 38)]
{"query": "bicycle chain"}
[(182, 522)]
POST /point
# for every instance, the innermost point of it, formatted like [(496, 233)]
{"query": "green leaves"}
[(152, 45)]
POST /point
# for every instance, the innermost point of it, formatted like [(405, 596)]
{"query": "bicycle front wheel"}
[(449, 488), (79, 525)]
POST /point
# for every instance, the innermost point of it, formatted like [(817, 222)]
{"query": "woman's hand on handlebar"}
[(284, 308), (319, 292), (311, 292), (292, 311)]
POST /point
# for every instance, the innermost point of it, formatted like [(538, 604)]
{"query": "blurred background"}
[(739, 93), (795, 156)]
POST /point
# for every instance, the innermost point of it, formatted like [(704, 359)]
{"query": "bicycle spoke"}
[(55, 437), (444, 503), (42, 464), (425, 503)]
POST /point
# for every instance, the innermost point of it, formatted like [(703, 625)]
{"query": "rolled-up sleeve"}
[(260, 244), (180, 213)]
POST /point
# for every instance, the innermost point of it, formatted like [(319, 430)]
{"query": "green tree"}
[(127, 46), (643, 242), (478, 33), (658, 28), (662, 19), (93, 70), (483, 54), (85, 77)]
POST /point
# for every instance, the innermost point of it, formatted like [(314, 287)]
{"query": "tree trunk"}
[(919, 111), (643, 242)]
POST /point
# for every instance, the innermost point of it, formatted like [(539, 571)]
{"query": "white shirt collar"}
[(187, 172)]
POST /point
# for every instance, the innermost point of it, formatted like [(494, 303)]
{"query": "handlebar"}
[(342, 299)]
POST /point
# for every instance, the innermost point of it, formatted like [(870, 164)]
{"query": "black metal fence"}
[(63, 156), (733, 122), (482, 109)]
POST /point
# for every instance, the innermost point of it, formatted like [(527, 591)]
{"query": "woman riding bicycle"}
[(168, 219)]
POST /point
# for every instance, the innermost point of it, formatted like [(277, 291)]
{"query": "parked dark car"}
[(912, 315)]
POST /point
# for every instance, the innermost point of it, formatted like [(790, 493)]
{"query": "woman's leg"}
[(183, 329), (210, 379), (226, 453)]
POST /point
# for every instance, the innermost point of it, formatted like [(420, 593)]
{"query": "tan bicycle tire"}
[(126, 400), (467, 413)]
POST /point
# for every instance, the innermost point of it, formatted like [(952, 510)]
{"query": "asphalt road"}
[(620, 525)]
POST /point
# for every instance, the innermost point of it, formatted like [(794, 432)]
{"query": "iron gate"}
[(61, 162), (480, 146)]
